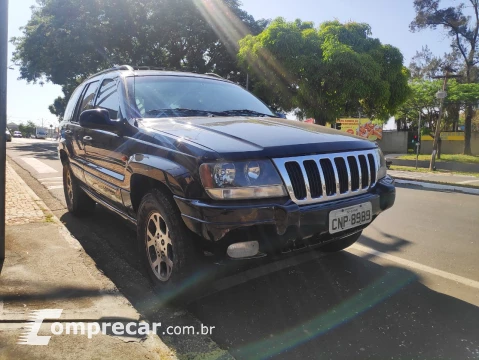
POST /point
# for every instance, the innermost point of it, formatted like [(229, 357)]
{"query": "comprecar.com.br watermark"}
[(90, 329)]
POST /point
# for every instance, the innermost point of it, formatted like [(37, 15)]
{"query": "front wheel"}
[(78, 202), (166, 245), (341, 244)]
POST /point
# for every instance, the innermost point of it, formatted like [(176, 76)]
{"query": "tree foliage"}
[(422, 100), (326, 72), (65, 41), (28, 129), (463, 31)]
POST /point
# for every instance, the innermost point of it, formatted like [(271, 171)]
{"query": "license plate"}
[(350, 217)]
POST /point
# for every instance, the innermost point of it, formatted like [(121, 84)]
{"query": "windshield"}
[(166, 96)]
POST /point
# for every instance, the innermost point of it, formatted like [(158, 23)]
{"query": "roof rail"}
[(215, 75), (148, 68), (115, 68)]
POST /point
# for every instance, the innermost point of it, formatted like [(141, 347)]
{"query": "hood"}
[(252, 137)]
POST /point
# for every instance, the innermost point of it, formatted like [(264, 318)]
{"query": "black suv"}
[(201, 166)]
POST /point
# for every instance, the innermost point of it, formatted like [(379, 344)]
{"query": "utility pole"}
[(418, 143), (3, 117), (359, 123), (441, 95)]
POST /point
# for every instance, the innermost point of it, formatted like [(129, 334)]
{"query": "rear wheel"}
[(341, 244), (166, 245), (78, 202)]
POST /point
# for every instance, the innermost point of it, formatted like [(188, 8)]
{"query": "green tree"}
[(65, 41), (463, 31), (28, 129), (327, 72), (422, 100)]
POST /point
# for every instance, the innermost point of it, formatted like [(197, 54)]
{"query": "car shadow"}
[(339, 306), (332, 306), (33, 150)]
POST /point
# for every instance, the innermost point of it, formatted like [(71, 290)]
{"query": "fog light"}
[(243, 250)]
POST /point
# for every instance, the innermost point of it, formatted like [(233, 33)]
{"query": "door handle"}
[(68, 132), (87, 138)]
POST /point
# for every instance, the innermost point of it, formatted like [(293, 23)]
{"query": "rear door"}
[(104, 151), (67, 133)]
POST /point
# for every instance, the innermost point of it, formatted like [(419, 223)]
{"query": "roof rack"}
[(215, 75), (115, 68), (148, 68), (133, 68)]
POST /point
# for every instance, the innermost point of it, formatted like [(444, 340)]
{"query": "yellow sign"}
[(364, 128), (449, 136)]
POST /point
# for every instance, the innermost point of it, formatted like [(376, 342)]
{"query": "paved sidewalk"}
[(46, 268), (22, 205), (451, 179)]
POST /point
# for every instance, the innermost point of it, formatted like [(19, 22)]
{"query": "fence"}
[(396, 142)]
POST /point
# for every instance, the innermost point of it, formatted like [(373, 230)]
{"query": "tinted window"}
[(88, 97), (72, 104), (108, 98), (173, 92)]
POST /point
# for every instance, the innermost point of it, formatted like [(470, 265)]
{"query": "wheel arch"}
[(63, 156), (148, 172)]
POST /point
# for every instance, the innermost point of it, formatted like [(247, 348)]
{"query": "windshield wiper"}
[(245, 112), (181, 112)]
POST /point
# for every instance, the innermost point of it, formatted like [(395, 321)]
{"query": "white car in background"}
[(17, 134)]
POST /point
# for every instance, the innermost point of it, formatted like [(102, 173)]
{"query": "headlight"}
[(242, 180), (383, 170)]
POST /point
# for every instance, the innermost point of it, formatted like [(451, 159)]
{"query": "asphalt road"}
[(408, 289)]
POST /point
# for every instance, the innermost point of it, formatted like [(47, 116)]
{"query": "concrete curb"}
[(438, 186)]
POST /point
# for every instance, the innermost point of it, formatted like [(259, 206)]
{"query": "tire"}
[(166, 245), (340, 244), (78, 203)]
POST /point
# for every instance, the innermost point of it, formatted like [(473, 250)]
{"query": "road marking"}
[(468, 182), (51, 182), (48, 150), (55, 187), (51, 178), (417, 266), (39, 167)]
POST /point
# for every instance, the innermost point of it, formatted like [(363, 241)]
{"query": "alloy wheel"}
[(159, 247)]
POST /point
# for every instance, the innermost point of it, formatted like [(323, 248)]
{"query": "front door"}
[(104, 154)]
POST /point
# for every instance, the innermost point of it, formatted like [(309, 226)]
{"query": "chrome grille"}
[(320, 178)]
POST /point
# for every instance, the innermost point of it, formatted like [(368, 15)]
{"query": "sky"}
[(389, 20)]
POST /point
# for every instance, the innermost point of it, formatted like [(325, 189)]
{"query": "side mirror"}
[(97, 119)]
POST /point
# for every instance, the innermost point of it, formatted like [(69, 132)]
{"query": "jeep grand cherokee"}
[(200, 165)]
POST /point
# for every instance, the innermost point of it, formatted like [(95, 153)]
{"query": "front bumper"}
[(276, 225)]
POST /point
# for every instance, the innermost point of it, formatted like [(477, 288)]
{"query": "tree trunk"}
[(439, 143), (468, 131)]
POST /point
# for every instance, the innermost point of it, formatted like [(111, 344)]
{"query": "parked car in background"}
[(8, 136), (17, 134), (41, 133)]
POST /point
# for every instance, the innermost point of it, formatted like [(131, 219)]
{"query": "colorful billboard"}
[(362, 127)]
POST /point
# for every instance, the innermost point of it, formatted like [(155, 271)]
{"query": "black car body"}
[(314, 170)]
